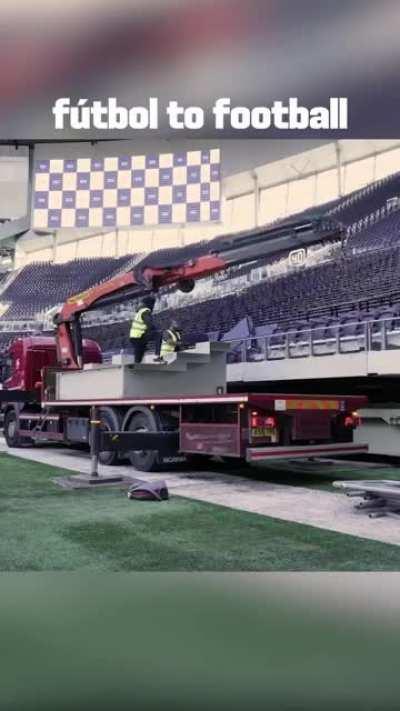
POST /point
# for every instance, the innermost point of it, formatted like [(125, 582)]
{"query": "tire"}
[(145, 421), (111, 421), (11, 426)]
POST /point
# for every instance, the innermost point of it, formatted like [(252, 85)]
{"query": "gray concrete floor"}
[(325, 510)]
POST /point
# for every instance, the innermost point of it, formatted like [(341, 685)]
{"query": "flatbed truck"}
[(56, 388), (57, 406)]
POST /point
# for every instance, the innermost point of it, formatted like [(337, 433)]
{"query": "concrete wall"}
[(194, 372), (317, 367), (13, 183)]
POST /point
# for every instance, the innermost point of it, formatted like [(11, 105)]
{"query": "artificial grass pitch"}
[(45, 528)]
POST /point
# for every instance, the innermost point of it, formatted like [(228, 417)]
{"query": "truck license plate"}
[(262, 431)]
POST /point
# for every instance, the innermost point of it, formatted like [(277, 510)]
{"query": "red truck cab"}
[(28, 355)]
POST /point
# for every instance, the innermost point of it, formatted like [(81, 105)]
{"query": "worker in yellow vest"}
[(142, 327), (171, 341)]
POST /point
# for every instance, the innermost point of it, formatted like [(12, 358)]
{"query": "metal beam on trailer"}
[(163, 442), (18, 396)]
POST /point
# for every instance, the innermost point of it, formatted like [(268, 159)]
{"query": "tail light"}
[(352, 420), (258, 419)]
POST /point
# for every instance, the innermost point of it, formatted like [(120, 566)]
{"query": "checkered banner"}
[(140, 191)]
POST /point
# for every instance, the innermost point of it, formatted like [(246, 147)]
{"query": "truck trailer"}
[(167, 407)]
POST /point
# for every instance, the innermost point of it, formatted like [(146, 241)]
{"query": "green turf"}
[(43, 527)]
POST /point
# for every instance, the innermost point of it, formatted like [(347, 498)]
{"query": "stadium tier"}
[(365, 201), (346, 291), (41, 285), (384, 233)]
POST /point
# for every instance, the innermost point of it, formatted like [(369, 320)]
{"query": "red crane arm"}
[(125, 286), (174, 268), (151, 279)]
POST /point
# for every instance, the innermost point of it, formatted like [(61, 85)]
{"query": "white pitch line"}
[(320, 509)]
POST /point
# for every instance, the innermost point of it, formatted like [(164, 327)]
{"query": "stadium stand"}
[(39, 286), (362, 202), (378, 233), (345, 291), (358, 282)]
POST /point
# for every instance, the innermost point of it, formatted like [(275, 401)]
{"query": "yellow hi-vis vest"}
[(170, 345), (138, 326)]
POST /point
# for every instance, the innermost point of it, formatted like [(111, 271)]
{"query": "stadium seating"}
[(365, 201), (323, 289), (332, 298), (344, 293), (382, 234), (41, 285)]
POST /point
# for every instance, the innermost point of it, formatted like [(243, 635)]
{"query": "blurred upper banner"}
[(255, 52), (139, 191)]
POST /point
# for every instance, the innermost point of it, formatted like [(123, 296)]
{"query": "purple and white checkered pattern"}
[(139, 191)]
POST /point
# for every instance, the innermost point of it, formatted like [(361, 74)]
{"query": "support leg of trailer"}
[(95, 442)]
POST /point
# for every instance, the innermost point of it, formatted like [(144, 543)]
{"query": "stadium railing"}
[(344, 338)]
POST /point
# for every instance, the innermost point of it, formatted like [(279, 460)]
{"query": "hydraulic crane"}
[(173, 267)]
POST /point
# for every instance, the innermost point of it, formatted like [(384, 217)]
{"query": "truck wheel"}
[(11, 426), (111, 422), (143, 460)]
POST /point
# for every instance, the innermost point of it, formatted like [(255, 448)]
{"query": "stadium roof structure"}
[(34, 239), (291, 168), (307, 163), (31, 143)]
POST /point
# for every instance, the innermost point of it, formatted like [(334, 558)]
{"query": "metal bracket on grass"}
[(83, 480)]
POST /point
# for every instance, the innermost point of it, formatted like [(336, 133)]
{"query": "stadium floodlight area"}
[(127, 191)]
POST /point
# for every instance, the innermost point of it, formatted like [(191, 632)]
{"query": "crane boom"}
[(176, 267)]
